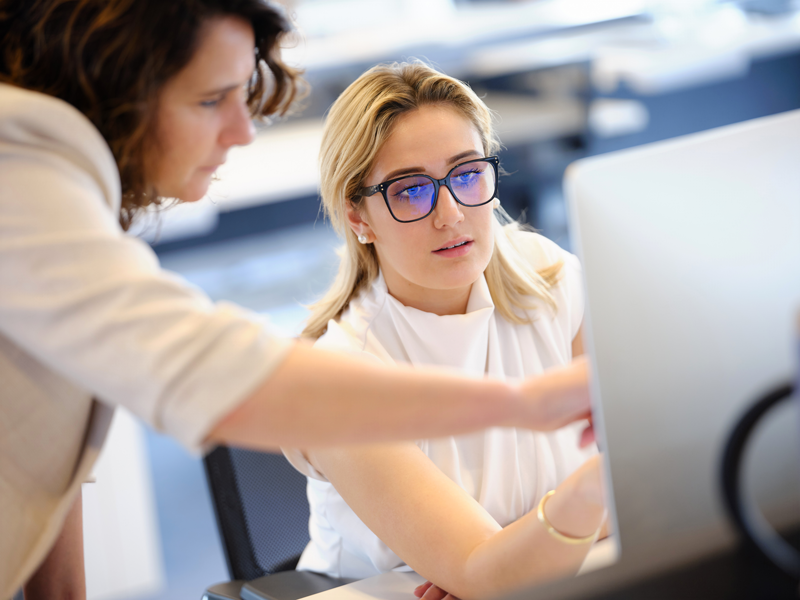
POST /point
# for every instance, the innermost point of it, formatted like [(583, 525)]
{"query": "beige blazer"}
[(86, 312)]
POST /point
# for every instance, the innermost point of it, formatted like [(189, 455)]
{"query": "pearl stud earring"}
[(496, 203), (362, 239)]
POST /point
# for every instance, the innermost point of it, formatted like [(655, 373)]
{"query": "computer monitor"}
[(691, 254)]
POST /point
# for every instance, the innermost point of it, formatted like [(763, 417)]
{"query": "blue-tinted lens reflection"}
[(411, 197), (473, 183)]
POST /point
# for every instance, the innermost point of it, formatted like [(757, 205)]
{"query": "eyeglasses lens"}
[(411, 198), (473, 183)]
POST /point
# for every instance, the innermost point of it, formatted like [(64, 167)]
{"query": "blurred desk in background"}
[(567, 78)]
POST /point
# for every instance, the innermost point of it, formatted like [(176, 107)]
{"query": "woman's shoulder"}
[(340, 336), (539, 251), (350, 332), (567, 292), (41, 128)]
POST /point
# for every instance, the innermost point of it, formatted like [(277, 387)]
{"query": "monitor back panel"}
[(691, 252)]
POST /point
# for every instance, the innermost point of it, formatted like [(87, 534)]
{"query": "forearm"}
[(445, 535), (61, 576), (524, 552), (477, 564), (521, 555), (317, 398)]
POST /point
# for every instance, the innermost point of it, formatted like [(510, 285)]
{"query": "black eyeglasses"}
[(413, 197)]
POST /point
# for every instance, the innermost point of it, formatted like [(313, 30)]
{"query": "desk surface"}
[(398, 585), (738, 574), (394, 585)]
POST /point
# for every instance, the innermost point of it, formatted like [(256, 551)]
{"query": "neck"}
[(438, 302)]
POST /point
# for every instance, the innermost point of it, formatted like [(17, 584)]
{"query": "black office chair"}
[(262, 514)]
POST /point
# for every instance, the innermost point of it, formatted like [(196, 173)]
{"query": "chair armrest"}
[(230, 590), (289, 585)]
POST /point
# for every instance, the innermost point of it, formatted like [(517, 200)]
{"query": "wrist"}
[(554, 531), (510, 406), (578, 507), (572, 518)]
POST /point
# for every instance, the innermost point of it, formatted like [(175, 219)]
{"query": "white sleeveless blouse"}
[(507, 470)]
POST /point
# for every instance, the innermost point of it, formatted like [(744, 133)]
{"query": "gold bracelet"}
[(567, 539)]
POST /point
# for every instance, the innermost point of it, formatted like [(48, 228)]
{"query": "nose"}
[(238, 129), (447, 212)]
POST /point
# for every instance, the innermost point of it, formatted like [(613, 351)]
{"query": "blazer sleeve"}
[(92, 303)]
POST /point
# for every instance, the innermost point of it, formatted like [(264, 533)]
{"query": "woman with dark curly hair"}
[(106, 107)]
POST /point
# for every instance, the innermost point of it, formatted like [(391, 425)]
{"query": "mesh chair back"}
[(262, 510)]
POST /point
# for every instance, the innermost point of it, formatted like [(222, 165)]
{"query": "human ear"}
[(357, 221)]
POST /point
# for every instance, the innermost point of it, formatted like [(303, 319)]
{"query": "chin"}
[(193, 193), (455, 279), (193, 186)]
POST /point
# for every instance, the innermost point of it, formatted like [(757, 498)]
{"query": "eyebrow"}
[(412, 170), (222, 90)]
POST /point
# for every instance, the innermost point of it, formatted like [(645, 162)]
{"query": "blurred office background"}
[(567, 78)]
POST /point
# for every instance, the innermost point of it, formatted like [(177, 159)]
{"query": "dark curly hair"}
[(110, 58)]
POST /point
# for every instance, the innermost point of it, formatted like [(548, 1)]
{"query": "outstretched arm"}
[(317, 397), (445, 535)]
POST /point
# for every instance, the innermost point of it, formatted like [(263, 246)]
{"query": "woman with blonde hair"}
[(433, 272)]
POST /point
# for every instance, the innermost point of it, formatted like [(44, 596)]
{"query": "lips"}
[(456, 243)]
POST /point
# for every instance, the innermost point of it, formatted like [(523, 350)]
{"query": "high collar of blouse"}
[(459, 341)]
